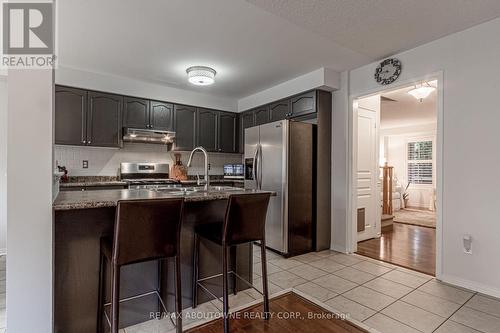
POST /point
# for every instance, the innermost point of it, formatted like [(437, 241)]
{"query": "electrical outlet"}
[(209, 166), (85, 164), (467, 239)]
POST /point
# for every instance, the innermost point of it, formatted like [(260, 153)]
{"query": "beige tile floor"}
[(383, 297)]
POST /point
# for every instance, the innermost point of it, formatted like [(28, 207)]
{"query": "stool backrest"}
[(245, 218), (147, 229)]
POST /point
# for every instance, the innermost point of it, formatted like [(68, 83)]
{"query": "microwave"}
[(234, 171)]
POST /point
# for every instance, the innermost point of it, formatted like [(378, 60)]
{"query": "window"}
[(420, 163)]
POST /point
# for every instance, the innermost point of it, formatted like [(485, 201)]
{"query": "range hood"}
[(148, 136)]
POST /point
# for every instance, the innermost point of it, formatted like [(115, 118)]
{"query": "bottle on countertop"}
[(178, 171)]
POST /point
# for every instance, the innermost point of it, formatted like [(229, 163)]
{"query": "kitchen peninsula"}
[(83, 217)]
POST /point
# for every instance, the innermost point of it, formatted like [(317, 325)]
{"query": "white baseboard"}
[(471, 285), (338, 248)]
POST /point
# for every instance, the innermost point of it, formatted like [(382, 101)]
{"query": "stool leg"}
[(265, 290), (178, 294), (233, 266), (115, 300), (100, 296), (225, 311), (195, 269), (159, 289)]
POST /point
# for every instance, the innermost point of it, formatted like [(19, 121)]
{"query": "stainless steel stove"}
[(147, 176)]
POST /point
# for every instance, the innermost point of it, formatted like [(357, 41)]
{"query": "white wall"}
[(396, 140), (469, 61), (106, 162), (322, 78), (137, 88), (29, 201), (3, 164), (340, 233)]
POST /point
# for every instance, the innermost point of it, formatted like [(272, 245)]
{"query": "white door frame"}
[(351, 241)]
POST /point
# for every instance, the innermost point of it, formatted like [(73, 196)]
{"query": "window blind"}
[(420, 162)]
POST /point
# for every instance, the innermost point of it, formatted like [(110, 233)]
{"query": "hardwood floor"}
[(409, 246), (291, 304)]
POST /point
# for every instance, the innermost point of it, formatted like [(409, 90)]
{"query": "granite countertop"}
[(94, 183), (75, 181), (108, 198), (214, 180)]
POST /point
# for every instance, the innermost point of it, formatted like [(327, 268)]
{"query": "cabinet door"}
[(227, 128), (70, 116), (104, 120), (161, 116), (247, 119), (135, 113), (279, 110), (262, 115), (304, 104), (185, 127), (207, 129)]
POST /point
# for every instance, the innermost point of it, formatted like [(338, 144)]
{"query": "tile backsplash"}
[(106, 161)]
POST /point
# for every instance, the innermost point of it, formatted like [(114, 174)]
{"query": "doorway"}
[(395, 175)]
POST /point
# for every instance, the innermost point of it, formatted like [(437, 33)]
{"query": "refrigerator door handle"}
[(260, 167), (254, 166)]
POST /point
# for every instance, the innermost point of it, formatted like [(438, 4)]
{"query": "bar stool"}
[(144, 230), (244, 222)]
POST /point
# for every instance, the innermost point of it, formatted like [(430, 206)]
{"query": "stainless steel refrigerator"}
[(280, 156)]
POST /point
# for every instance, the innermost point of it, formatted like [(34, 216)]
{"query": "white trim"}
[(470, 285), (351, 240)]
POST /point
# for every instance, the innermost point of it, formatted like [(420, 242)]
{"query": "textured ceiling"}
[(156, 40), (252, 44), (378, 28)]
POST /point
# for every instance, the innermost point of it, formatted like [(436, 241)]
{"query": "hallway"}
[(406, 245)]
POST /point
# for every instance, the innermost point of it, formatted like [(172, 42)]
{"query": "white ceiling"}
[(156, 40), (252, 47), (406, 110)]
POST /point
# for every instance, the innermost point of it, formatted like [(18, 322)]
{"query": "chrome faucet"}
[(203, 150)]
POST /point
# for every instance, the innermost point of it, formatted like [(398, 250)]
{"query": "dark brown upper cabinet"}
[(207, 129), (136, 113), (228, 132), (247, 119), (104, 119), (261, 115), (303, 104), (161, 116), (70, 116), (142, 113), (279, 110), (185, 127)]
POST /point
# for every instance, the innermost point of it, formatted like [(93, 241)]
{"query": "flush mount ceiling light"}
[(201, 75), (422, 92)]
